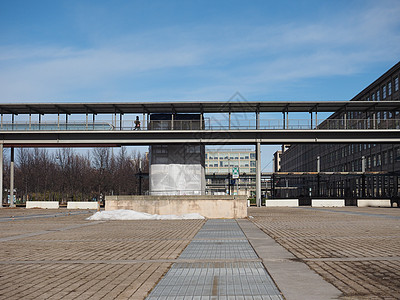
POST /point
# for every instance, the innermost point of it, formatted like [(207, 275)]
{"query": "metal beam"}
[(258, 174)]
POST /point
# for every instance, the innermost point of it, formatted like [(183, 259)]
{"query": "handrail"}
[(206, 124)]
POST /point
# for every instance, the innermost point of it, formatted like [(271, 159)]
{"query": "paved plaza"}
[(57, 254)]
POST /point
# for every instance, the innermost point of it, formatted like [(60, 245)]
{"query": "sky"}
[(95, 51)]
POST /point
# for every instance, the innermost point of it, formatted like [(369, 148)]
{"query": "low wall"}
[(373, 202), (212, 207), (327, 203), (282, 202), (42, 204), (82, 205)]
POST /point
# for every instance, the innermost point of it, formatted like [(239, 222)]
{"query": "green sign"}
[(235, 173)]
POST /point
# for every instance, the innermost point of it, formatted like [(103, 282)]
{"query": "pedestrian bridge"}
[(273, 122)]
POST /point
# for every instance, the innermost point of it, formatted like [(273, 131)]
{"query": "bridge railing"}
[(206, 124)]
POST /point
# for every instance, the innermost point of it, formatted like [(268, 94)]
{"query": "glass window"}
[(384, 92), (396, 84), (378, 96), (397, 154), (389, 88), (373, 97), (252, 155)]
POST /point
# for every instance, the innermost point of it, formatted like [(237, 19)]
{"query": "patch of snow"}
[(125, 214)]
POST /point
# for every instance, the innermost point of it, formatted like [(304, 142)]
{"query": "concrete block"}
[(373, 202), (282, 202), (82, 205), (327, 203), (209, 206), (42, 204)]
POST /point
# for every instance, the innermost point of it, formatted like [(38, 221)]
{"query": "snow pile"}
[(124, 214)]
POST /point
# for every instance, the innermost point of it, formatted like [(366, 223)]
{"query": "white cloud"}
[(218, 60)]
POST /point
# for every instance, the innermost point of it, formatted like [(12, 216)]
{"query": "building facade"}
[(383, 158), (219, 165)]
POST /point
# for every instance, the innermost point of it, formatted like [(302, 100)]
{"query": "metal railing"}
[(206, 124)]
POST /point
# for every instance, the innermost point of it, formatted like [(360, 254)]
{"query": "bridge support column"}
[(12, 178), (258, 174), (1, 175)]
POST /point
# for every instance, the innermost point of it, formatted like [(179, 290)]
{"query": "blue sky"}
[(76, 51), (57, 51)]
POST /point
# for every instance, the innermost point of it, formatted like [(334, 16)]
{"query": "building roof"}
[(196, 107)]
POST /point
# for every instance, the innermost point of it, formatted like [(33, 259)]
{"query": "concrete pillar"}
[(318, 164), (1, 175), (12, 179), (258, 174)]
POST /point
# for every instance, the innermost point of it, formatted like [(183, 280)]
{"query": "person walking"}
[(137, 123)]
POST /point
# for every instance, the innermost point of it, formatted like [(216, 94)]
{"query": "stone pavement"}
[(57, 254), (355, 249), (67, 257)]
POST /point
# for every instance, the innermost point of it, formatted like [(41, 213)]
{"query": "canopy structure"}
[(196, 107)]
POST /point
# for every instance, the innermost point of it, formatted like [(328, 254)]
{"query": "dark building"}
[(384, 159)]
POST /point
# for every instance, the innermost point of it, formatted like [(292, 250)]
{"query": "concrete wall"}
[(327, 203), (373, 202), (177, 170), (42, 204), (82, 205), (282, 202), (213, 207)]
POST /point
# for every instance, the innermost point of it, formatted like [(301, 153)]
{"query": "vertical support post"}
[(30, 120), (229, 120), (316, 119), (311, 122), (1, 120), (258, 174), (12, 120), (257, 120), (287, 120), (87, 120), (374, 120), (40, 120), (172, 121), (284, 119), (120, 121), (1, 175), (345, 120), (12, 178), (143, 122), (58, 120), (201, 121), (363, 175), (318, 175), (94, 119)]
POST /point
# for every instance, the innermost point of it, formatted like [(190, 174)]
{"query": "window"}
[(252, 155), (384, 92), (206, 155), (373, 97), (396, 84), (389, 88), (397, 154), (378, 96)]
